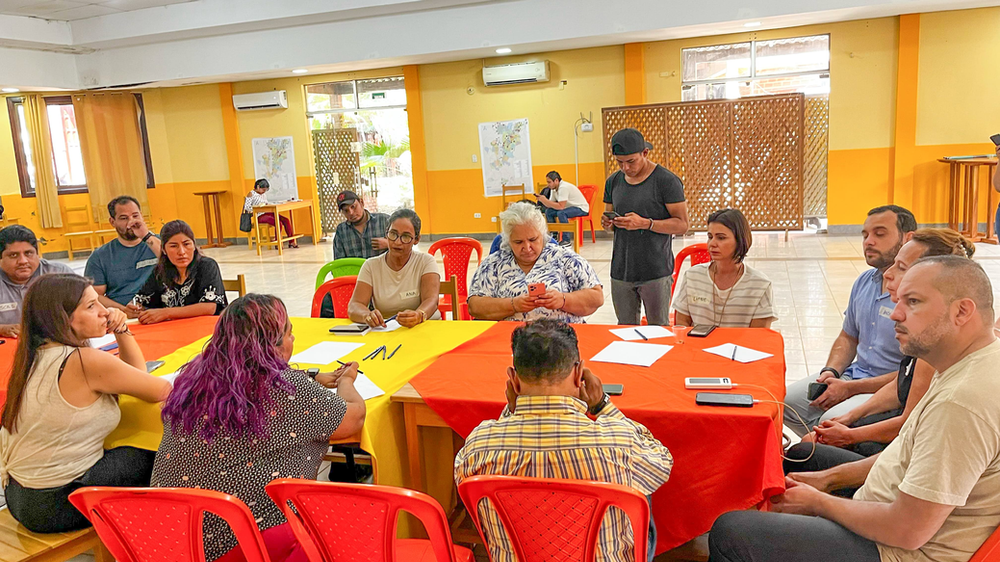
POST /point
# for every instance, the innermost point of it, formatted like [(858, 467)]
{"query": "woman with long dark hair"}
[(183, 284), (62, 403), (240, 417)]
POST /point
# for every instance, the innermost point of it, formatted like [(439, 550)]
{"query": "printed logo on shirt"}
[(145, 263), (884, 311), (696, 299), (409, 294), (8, 306)]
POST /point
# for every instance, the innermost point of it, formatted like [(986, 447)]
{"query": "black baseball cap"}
[(628, 141), (346, 198)]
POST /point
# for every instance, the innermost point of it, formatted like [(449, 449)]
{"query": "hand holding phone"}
[(536, 289), (611, 215), (996, 139)]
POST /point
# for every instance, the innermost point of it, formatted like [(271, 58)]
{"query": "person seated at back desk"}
[(120, 267), (20, 264)]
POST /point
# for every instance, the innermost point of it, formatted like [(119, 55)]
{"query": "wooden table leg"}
[(953, 196), (218, 221), (208, 222), (314, 224), (991, 207), (277, 229), (256, 226), (968, 229), (413, 446), (974, 207)]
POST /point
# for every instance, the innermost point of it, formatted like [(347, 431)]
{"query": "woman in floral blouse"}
[(499, 288), (184, 283)]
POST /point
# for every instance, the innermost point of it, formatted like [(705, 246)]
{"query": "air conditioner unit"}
[(264, 100), (520, 73)]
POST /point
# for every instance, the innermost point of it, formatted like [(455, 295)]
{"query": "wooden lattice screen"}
[(746, 154), (817, 149), (336, 170)]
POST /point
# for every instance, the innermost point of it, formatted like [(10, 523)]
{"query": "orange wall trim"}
[(905, 135), (635, 74), (418, 146)]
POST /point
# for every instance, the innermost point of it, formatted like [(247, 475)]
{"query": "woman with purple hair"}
[(239, 417)]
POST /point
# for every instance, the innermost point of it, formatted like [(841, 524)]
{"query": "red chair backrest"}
[(456, 253), (990, 551), (697, 252), (553, 519), (340, 289), (588, 193), (154, 524), (334, 521)]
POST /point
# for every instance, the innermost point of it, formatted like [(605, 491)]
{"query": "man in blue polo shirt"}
[(120, 267), (866, 355)]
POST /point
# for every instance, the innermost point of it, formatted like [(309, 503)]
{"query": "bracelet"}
[(513, 309), (831, 369), (146, 237), (564, 301), (650, 224), (423, 315)]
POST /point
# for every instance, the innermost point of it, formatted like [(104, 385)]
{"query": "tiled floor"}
[(812, 276)]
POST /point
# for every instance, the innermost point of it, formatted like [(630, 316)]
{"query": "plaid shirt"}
[(552, 437), (347, 243)]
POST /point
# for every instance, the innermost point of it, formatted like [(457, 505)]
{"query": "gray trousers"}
[(629, 298), (797, 397), (755, 536)]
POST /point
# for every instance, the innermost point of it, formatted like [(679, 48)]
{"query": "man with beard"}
[(865, 355), (932, 494), (362, 235), (120, 267), (20, 264)]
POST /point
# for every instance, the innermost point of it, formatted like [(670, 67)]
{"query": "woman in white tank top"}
[(62, 402)]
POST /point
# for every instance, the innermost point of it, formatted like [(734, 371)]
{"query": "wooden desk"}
[(211, 201), (416, 414), (963, 197), (277, 209)]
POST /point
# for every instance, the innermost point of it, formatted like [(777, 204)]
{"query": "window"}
[(67, 158), (757, 68)]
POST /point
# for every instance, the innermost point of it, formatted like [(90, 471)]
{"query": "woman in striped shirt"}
[(725, 292)]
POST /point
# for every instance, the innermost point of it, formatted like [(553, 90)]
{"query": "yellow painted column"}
[(635, 74), (234, 155), (903, 153), (418, 147)]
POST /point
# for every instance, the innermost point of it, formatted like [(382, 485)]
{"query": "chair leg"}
[(102, 554), (593, 233)]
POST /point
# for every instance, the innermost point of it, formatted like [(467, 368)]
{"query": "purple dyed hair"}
[(227, 388)]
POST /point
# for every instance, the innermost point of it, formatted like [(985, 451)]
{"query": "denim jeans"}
[(563, 216)]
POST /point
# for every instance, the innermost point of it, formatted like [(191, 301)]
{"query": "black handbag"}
[(246, 222)]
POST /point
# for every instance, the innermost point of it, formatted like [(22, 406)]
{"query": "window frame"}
[(20, 158)]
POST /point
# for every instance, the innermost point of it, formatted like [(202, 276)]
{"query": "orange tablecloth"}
[(724, 458), (155, 340)]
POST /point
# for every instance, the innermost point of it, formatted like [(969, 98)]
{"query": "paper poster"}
[(505, 148), (274, 160)]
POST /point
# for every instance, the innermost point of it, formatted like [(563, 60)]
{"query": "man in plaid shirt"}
[(362, 235), (544, 432)]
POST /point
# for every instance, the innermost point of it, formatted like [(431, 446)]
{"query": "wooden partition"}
[(745, 153)]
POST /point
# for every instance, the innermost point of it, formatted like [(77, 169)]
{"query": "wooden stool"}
[(963, 197), (21, 545), (211, 201)]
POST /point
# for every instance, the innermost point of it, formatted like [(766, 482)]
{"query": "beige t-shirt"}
[(948, 452), (698, 297), (396, 291)]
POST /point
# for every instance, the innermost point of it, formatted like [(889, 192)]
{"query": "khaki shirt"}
[(947, 453)]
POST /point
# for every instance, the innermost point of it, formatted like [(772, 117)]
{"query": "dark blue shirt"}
[(123, 270)]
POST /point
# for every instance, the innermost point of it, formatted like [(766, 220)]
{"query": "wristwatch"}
[(600, 405), (146, 237), (831, 369)]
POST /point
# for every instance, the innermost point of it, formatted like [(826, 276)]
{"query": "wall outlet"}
[(587, 127), (477, 215), (475, 159), (493, 219)]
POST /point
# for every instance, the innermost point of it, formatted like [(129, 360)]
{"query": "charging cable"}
[(780, 424)]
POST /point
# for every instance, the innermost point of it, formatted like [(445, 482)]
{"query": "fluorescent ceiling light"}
[(300, 71), (503, 51), (9, 90), (752, 24)]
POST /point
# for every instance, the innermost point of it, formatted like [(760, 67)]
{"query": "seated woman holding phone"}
[(530, 278), (726, 292)]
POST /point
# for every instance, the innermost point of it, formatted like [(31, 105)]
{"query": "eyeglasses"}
[(405, 237)]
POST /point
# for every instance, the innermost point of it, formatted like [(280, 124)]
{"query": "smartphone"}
[(996, 139), (611, 215), (720, 399), (536, 289), (708, 383), (816, 389), (701, 331), (153, 365), (613, 389)]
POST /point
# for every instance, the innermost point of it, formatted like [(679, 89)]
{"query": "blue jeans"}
[(564, 215)]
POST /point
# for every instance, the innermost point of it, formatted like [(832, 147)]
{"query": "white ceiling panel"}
[(73, 10), (45, 8), (132, 5), (83, 12)]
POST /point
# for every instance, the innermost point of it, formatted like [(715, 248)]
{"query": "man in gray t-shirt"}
[(648, 206), (20, 264)]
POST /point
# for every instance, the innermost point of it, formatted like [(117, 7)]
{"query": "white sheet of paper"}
[(324, 353), (651, 332), (389, 326), (102, 341), (742, 354), (171, 377), (365, 387), (630, 353)]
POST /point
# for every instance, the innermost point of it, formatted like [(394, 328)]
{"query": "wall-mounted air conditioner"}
[(264, 100), (520, 73)]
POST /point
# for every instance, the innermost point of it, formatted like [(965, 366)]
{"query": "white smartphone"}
[(708, 383)]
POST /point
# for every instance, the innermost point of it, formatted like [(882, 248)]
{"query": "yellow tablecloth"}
[(383, 435)]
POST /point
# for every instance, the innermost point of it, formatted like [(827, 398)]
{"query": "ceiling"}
[(72, 10)]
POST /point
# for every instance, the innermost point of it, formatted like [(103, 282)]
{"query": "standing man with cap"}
[(362, 235), (648, 204)]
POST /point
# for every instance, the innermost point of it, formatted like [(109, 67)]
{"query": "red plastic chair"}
[(457, 253), (990, 551), (588, 194), (552, 519), (154, 524), (340, 289), (334, 521), (698, 254)]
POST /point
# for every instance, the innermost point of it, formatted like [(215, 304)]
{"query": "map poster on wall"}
[(506, 155), (274, 160)]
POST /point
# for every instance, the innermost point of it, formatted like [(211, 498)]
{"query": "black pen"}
[(395, 350), (360, 372), (640, 334), (372, 354), (735, 347)]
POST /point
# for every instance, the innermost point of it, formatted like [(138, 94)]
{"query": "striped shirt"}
[(749, 299), (254, 199), (552, 437)]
